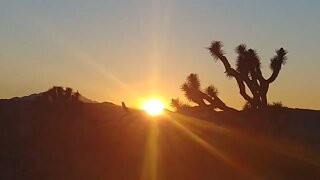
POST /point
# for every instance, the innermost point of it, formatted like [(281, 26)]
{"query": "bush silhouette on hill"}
[(58, 94)]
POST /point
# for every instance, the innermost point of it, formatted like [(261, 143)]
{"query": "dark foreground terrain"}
[(101, 141)]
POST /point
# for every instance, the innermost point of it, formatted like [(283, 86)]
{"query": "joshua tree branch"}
[(215, 102), (242, 90), (276, 64), (226, 64), (274, 75), (250, 85), (240, 80), (259, 74)]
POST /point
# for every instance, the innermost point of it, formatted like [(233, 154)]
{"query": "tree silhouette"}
[(58, 95), (178, 105), (248, 72), (53, 93), (76, 97), (208, 99), (68, 93), (191, 90)]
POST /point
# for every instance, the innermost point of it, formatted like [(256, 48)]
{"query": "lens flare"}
[(153, 107)]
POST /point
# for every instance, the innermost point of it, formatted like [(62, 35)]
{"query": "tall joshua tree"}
[(248, 72)]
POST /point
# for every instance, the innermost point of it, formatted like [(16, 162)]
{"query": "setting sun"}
[(153, 106)]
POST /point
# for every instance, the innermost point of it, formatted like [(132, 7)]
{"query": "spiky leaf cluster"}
[(279, 59), (215, 49), (193, 81), (212, 91), (177, 104), (191, 87), (248, 61)]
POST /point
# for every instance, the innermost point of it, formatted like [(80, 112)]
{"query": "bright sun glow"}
[(153, 106)]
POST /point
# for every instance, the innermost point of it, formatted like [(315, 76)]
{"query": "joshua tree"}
[(178, 105), (191, 90), (193, 93), (248, 72)]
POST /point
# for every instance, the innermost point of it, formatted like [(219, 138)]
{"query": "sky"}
[(129, 50)]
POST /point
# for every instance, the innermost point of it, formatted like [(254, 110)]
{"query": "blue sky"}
[(128, 50)]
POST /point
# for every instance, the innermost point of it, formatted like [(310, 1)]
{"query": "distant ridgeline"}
[(56, 94)]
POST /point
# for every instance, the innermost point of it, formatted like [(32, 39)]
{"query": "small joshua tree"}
[(248, 72), (191, 90), (178, 105), (193, 93)]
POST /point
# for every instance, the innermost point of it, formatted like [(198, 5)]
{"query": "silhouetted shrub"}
[(59, 95), (247, 106), (277, 104)]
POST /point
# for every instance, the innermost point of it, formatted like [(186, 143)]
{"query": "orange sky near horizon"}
[(132, 50)]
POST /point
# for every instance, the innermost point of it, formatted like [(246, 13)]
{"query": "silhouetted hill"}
[(34, 97), (62, 140)]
